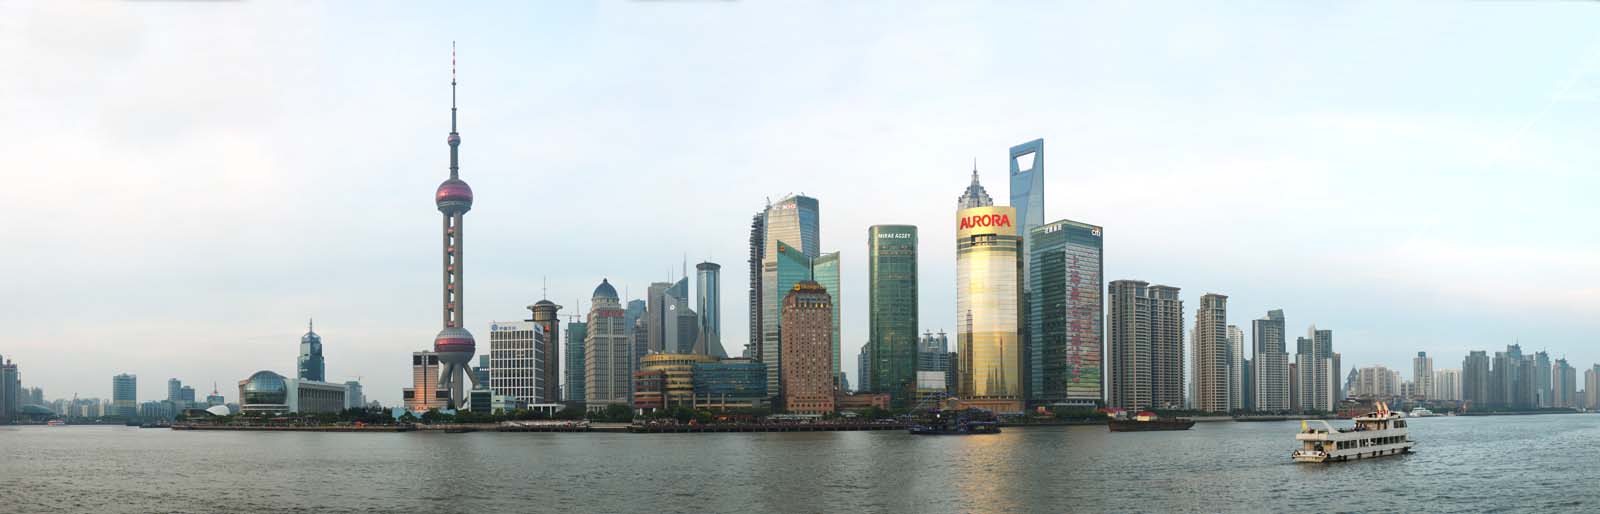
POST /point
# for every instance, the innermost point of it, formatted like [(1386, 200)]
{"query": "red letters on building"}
[(985, 220)]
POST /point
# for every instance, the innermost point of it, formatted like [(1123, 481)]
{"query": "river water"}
[(1548, 463)]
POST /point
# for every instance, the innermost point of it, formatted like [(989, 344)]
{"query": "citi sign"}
[(985, 220)]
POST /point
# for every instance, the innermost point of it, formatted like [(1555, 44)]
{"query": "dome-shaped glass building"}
[(264, 391)]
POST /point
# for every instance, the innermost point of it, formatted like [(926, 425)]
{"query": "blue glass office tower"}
[(1027, 190), (825, 271), (1027, 197), (791, 267), (310, 362), (791, 222)]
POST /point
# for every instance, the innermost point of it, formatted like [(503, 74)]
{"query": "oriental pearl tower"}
[(454, 343)]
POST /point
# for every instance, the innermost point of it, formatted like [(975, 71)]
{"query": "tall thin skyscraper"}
[(758, 253), (681, 324), (708, 295), (1236, 368), (988, 303), (793, 222), (10, 391), (454, 344), (864, 368), (1543, 390), (1564, 383), (577, 338), (1270, 363), (174, 389), (1422, 376), (657, 307), (1475, 383), (892, 310), (1319, 371), (311, 366), (825, 271), (544, 315), (608, 360), (1066, 313), (1027, 191), (1212, 362)]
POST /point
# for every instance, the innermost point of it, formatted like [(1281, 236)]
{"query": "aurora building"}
[(1066, 318), (892, 311), (988, 291)]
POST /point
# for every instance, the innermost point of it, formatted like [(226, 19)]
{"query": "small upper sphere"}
[(454, 195)]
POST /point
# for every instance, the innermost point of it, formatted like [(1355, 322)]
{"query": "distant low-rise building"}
[(269, 392)]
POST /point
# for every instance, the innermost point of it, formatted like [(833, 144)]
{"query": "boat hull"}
[(1149, 426), (1321, 457)]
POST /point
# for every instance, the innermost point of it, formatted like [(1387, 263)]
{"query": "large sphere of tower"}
[(455, 345), (454, 196)]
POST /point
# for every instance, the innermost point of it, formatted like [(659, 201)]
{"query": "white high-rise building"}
[(1447, 385), (606, 359), (1422, 375), (1212, 359), (1270, 364), (1236, 354), (516, 357)]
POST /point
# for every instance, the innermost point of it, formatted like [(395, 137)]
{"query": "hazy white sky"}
[(189, 181)]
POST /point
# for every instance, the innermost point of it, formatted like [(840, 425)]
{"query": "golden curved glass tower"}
[(988, 311)]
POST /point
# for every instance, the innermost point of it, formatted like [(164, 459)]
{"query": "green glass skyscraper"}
[(892, 310), (825, 271), (790, 267), (1066, 322)]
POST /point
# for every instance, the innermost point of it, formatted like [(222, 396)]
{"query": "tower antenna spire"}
[(455, 137)]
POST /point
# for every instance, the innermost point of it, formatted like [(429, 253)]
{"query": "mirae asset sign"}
[(902, 235)]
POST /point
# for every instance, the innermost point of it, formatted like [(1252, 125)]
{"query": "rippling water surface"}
[(1545, 463)]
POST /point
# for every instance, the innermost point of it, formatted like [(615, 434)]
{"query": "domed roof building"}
[(271, 393), (264, 391), (604, 290)]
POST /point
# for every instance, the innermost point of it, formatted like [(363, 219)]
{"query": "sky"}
[(191, 181)]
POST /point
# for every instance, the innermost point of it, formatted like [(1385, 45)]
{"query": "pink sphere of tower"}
[(454, 195)]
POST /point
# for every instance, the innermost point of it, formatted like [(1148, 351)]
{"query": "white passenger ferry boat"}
[(1376, 434)]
